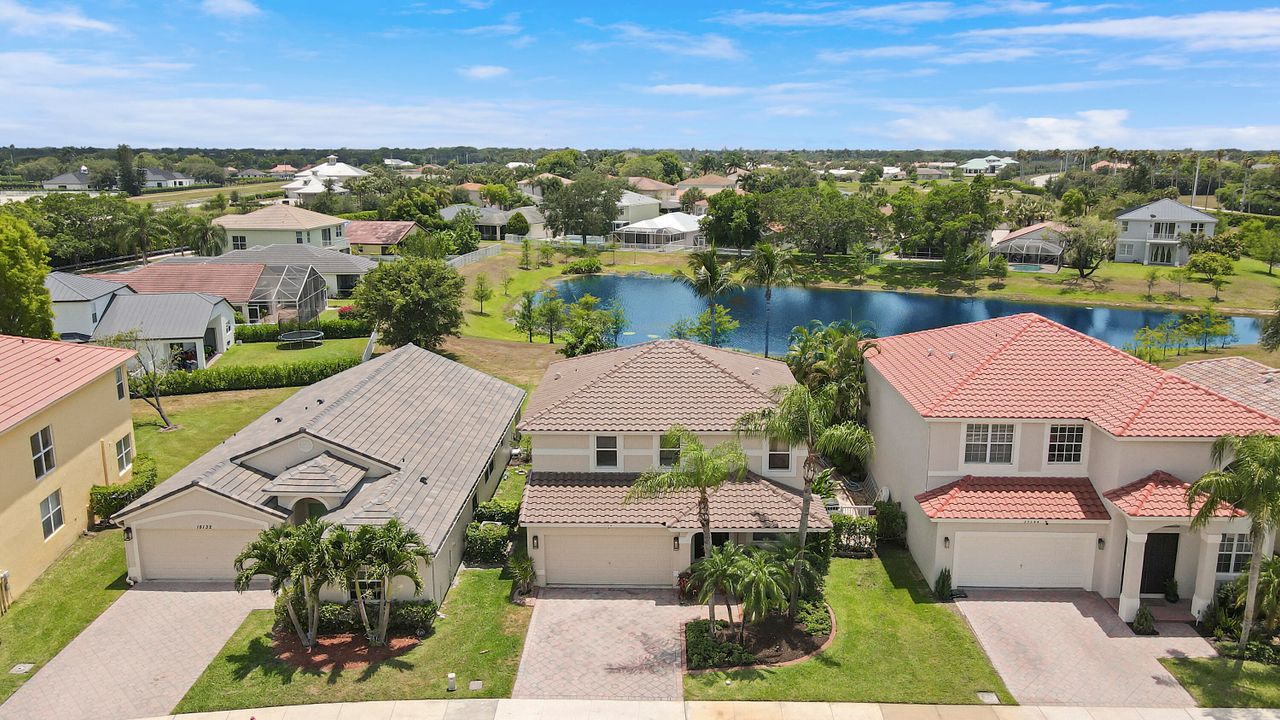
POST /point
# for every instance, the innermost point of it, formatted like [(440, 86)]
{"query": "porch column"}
[(1206, 573), (1131, 582)]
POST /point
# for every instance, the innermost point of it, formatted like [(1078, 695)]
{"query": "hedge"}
[(486, 543), (332, 329), (891, 521), (506, 512), (107, 500), (361, 215), (215, 379), (408, 617)]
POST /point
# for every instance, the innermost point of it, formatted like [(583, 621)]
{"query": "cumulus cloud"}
[(483, 72), (24, 20), (230, 8)]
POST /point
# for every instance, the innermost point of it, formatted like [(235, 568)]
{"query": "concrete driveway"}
[(1070, 648), (604, 644), (139, 657)]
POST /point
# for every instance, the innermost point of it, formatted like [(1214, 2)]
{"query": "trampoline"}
[(301, 338)]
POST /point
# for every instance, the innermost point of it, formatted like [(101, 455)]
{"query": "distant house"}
[(1153, 233), (655, 189), (75, 180), (634, 207), (473, 192), (250, 173), (676, 227), (79, 302), (327, 176), (341, 271), (283, 171), (283, 225), (492, 222), (989, 165), (517, 165), (378, 237), (709, 184), (1108, 166), (531, 186), (396, 163), (893, 172), (260, 293), (153, 178), (924, 174)]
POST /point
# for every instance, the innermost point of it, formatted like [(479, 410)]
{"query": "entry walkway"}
[(675, 710)]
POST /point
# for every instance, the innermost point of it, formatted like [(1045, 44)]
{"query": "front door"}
[(1158, 562), (717, 539), (1162, 254)]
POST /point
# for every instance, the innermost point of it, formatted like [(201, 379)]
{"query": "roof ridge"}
[(694, 349), (983, 364), (644, 349)]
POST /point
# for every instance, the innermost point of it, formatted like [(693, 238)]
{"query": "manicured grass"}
[(1214, 682), (206, 193), (269, 353), (511, 487), (1253, 352), (62, 602), (203, 421), (893, 644), (479, 636)]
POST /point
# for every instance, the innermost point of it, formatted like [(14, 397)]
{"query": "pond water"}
[(653, 303)]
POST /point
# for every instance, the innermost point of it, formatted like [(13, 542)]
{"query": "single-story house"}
[(341, 271), (1038, 244), (396, 163), (473, 192), (74, 180), (282, 171), (159, 178), (924, 174), (655, 189), (409, 435), (251, 173), (283, 225), (989, 165), (1152, 234), (182, 330), (532, 186), (893, 172), (492, 222), (260, 293), (674, 227), (596, 422), (378, 238)]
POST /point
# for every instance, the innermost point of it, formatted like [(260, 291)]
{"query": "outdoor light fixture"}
[(128, 534), (1102, 544), (535, 542), (946, 542), (675, 543)]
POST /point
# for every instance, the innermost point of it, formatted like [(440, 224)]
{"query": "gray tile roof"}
[(493, 216), (159, 175), (434, 422), (325, 261), (67, 287), (1246, 381), (1166, 210), (326, 473), (69, 178), (158, 316)]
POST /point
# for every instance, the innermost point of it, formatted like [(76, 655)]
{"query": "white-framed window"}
[(779, 455), (239, 242), (606, 451), (1197, 227), (124, 453), (297, 237), (1124, 249), (339, 232), (988, 443), (1066, 443), (42, 458), (326, 237), (122, 387), (51, 513), (1124, 226), (1234, 552), (370, 588), (668, 452)]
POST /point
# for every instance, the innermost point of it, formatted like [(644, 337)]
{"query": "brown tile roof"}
[(1162, 495), (651, 387), (38, 373), (640, 182), (279, 217), (755, 503), (1241, 379), (475, 186), (231, 281), (1014, 498), (378, 232)]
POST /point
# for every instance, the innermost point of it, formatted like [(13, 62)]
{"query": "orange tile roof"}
[(1027, 366), (38, 373), (1162, 495), (378, 232), (231, 281), (472, 186), (1014, 498), (652, 386)]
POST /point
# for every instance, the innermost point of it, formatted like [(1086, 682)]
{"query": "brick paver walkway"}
[(139, 657), (604, 644), (1070, 648)]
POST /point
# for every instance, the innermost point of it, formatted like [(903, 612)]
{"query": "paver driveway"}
[(604, 644), (139, 657), (1070, 648)]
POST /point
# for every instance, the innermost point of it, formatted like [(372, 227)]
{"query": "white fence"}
[(473, 256)]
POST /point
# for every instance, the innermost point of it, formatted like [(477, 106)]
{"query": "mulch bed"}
[(337, 652), (778, 639)]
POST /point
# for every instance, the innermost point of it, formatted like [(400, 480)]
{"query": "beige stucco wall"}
[(86, 426), (314, 238)]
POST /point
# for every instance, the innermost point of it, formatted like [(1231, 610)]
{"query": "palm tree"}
[(139, 230), (769, 267), (270, 556), (709, 279), (699, 469), (393, 551), (1247, 162), (203, 235), (1268, 592), (717, 574), (312, 569), (833, 355), (1250, 482), (802, 416), (347, 551), (762, 581)]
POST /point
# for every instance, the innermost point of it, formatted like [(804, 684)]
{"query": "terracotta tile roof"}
[(378, 232), (1051, 225), (1240, 379), (755, 503), (652, 386), (38, 373), (233, 282), (1027, 366), (472, 186), (640, 182), (1161, 495), (1014, 498), (279, 217), (709, 180)]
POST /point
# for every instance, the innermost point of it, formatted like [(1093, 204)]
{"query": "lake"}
[(653, 303)]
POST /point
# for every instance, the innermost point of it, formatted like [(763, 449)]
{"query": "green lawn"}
[(203, 421), (269, 353), (61, 603), (511, 488), (893, 644), (1214, 682), (480, 638)]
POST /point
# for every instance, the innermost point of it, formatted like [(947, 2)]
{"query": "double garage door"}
[(191, 554), (1024, 560), (611, 558)]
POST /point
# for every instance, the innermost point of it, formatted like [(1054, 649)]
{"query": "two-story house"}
[(596, 422), (284, 225), (1153, 233), (1029, 455), (65, 426)]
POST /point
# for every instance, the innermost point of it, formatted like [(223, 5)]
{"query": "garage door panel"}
[(1024, 559), (191, 554), (608, 559)]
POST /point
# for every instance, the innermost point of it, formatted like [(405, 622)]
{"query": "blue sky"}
[(919, 74)]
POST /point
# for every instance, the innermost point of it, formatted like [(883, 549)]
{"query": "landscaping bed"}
[(773, 641), (345, 651)]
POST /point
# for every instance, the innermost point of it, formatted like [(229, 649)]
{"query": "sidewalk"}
[(655, 710)]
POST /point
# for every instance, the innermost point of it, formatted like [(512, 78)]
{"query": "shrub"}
[(1144, 623), (107, 500), (523, 573), (347, 312), (1262, 651), (485, 543), (360, 215), (412, 617), (704, 651), (820, 547), (824, 485), (335, 618), (942, 586), (343, 327), (1210, 264), (257, 377), (582, 266), (1171, 590), (891, 521), (1000, 266), (813, 615), (852, 533), (506, 512)]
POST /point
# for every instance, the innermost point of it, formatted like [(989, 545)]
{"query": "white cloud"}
[(483, 72), (789, 111), (1085, 9), (696, 89), (993, 55), (1063, 87), (23, 20), (476, 4), (887, 52), (1218, 30), (902, 13), (671, 42), (510, 25), (230, 8), (27, 69)]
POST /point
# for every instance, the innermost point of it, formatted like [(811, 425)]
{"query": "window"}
[(1197, 228), (1164, 229), (51, 513), (985, 443), (1161, 254), (124, 453), (607, 451), (1066, 443), (370, 588), (386, 250), (297, 236), (779, 455), (42, 451), (1234, 552), (1124, 249), (339, 232), (326, 237), (668, 452), (122, 388), (1124, 226), (238, 242), (94, 313)]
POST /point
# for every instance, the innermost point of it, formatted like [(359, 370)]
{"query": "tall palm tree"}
[(769, 267), (717, 574), (762, 581), (348, 551), (268, 555), (800, 416), (709, 279), (312, 569), (140, 230), (393, 551), (700, 469), (1268, 593), (1247, 162), (203, 235), (1250, 481)]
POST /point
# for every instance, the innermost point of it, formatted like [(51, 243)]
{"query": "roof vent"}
[(319, 401), (755, 370), (928, 351), (1267, 379), (557, 376), (951, 355), (423, 479), (279, 419)]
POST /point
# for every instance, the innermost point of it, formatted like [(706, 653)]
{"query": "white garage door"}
[(1024, 559), (608, 559), (191, 554)]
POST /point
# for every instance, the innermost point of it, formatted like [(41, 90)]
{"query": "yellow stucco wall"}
[(86, 426)]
